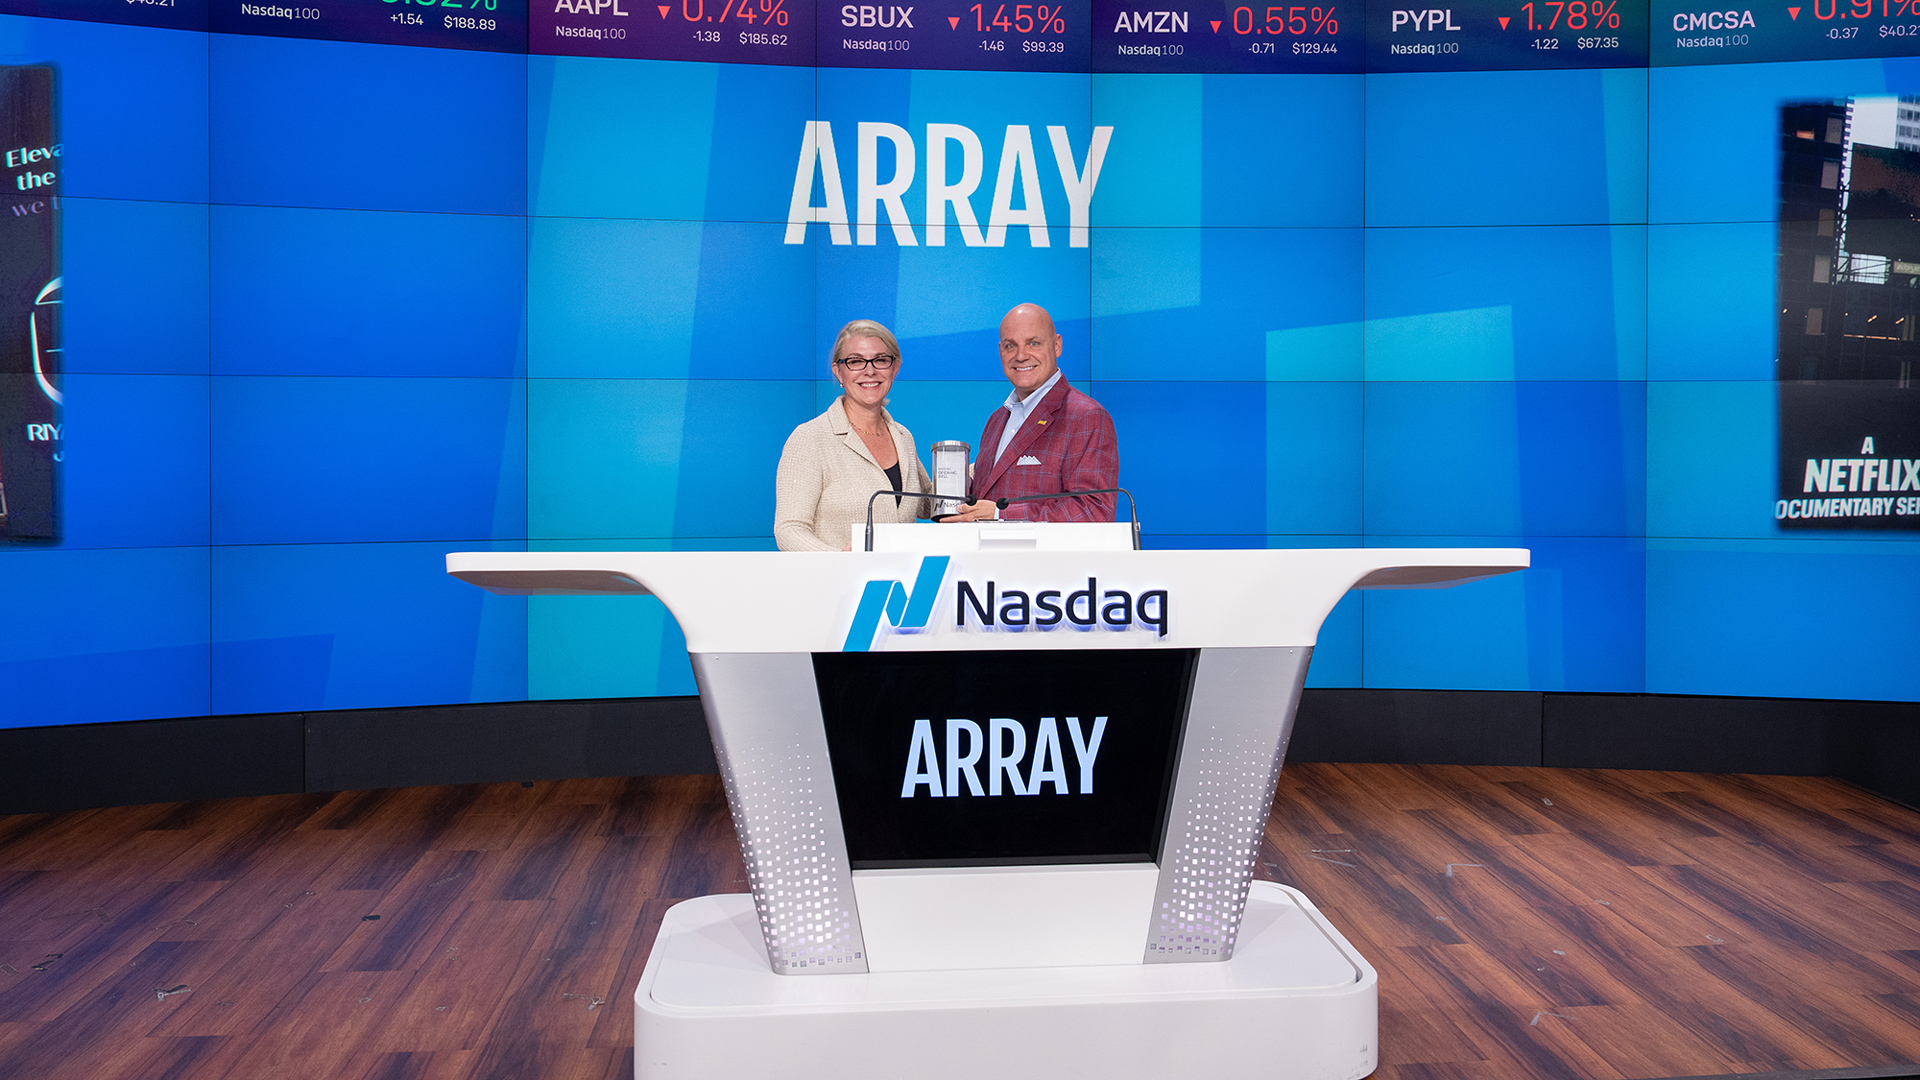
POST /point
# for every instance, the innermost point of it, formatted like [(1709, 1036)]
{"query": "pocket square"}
[(1027, 459)]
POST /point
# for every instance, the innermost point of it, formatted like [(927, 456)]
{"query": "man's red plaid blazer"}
[(1067, 444)]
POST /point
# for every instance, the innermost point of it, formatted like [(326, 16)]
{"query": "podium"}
[(1000, 790)]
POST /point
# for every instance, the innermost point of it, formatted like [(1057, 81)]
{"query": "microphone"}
[(1133, 508)]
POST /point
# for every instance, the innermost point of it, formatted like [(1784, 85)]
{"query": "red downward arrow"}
[(1216, 25), (663, 10), (1503, 21), (953, 21), (1793, 13)]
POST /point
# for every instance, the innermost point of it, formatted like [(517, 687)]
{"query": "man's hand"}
[(984, 510)]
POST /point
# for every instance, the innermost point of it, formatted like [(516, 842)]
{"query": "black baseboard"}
[(1432, 727), (89, 765), (1875, 745), (523, 740), (149, 761)]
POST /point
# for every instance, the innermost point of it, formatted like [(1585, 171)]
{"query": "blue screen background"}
[(320, 335)]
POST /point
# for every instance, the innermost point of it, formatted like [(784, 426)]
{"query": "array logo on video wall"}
[(1849, 301), (819, 170)]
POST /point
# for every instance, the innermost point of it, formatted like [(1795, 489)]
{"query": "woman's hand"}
[(984, 510)]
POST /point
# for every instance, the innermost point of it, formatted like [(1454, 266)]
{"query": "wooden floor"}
[(1526, 923)]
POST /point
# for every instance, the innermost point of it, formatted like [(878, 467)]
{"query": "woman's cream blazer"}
[(826, 476)]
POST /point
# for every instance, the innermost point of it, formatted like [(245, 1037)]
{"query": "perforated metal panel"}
[(773, 761), (1236, 738)]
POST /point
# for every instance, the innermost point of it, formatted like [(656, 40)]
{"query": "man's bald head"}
[(1029, 348), (1021, 313)]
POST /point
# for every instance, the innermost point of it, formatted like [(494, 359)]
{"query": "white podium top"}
[(929, 538), (956, 599)]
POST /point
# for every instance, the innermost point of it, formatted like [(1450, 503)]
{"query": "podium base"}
[(1295, 1002)]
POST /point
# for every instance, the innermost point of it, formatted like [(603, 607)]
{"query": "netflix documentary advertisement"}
[(1849, 296)]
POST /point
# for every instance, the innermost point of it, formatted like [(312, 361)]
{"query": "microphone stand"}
[(877, 494)]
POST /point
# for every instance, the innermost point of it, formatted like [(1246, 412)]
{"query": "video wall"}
[(324, 293)]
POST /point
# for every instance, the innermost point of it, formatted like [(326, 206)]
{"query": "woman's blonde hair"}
[(863, 328)]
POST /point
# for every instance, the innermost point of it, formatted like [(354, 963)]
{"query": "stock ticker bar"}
[(165, 14), (1508, 35), (1784, 30), (951, 34), (719, 31), (1321, 37), (484, 25), (1223, 36)]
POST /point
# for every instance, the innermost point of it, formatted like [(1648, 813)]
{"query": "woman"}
[(834, 462)]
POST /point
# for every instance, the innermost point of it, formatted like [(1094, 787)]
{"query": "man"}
[(1047, 438)]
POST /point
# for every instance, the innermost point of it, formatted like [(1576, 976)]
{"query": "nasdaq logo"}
[(1044, 609), (1018, 172), (904, 609), (994, 607)]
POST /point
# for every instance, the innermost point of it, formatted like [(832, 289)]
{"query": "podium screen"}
[(1003, 758)]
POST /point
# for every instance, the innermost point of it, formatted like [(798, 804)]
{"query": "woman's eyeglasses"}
[(883, 362)]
